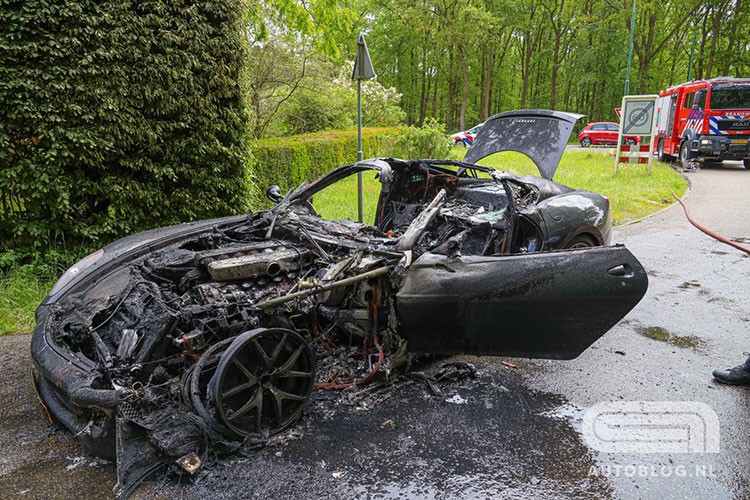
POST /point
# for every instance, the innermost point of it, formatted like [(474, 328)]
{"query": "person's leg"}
[(739, 375)]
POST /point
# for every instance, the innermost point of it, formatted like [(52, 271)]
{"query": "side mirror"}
[(273, 193)]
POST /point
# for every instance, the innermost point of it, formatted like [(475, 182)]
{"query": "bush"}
[(289, 161), (429, 141), (116, 117), (311, 112)]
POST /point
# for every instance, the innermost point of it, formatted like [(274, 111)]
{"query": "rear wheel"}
[(586, 142), (581, 241), (630, 141), (746, 163), (460, 144)]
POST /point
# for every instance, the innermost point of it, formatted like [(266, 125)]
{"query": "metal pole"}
[(692, 51), (630, 50), (360, 177)]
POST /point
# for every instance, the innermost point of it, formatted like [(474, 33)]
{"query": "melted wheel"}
[(263, 381)]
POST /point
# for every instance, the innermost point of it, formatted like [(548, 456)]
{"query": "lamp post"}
[(630, 50), (692, 52), (362, 71)]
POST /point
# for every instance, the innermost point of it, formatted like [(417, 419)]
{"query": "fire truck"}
[(705, 120)]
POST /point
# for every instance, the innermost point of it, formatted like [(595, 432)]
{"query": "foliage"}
[(461, 62), (117, 116), (21, 291), (289, 161), (330, 108), (428, 141)]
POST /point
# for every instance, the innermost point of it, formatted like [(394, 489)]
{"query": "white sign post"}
[(638, 119)]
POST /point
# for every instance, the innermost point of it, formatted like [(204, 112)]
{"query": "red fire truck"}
[(705, 119)]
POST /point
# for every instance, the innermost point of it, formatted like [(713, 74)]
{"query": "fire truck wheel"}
[(685, 154), (746, 162)]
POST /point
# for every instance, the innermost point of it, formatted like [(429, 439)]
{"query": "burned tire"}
[(581, 241), (263, 381)]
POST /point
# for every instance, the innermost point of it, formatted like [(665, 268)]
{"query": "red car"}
[(603, 133)]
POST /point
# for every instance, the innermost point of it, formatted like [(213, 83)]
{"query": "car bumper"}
[(722, 147)]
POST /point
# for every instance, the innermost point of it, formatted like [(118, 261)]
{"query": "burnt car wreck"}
[(204, 336)]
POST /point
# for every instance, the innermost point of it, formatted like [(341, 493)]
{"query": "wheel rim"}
[(581, 241), (581, 244), (263, 381), (586, 142), (629, 142)]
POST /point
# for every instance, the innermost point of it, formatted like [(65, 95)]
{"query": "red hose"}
[(710, 233)]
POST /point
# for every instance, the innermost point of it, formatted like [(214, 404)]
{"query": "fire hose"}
[(708, 232)]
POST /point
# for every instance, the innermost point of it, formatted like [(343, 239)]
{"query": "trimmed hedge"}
[(289, 161), (117, 116)]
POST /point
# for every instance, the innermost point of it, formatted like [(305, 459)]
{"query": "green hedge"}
[(289, 161), (116, 116)]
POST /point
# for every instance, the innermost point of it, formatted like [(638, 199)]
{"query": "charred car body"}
[(223, 327)]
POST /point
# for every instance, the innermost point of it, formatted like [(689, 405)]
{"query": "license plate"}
[(739, 141)]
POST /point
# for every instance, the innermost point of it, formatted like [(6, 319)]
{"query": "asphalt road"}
[(509, 432)]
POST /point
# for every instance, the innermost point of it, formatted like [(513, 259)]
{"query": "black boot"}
[(739, 375)]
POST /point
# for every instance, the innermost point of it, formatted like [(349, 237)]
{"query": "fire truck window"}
[(672, 109), (688, 100), (730, 97), (700, 99)]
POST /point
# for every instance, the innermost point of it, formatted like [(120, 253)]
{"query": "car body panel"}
[(536, 305), (538, 133)]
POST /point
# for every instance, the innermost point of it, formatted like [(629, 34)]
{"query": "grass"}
[(21, 291), (340, 200), (632, 192)]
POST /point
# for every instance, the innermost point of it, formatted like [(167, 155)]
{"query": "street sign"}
[(637, 118)]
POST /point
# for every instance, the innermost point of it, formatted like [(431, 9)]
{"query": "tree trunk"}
[(488, 82), (464, 89)]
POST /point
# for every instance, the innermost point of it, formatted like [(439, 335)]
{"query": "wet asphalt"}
[(511, 432)]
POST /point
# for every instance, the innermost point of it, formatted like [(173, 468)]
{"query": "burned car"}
[(224, 327)]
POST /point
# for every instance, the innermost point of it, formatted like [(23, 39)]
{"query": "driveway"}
[(513, 430)]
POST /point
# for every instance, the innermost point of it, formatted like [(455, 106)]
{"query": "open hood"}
[(540, 134)]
